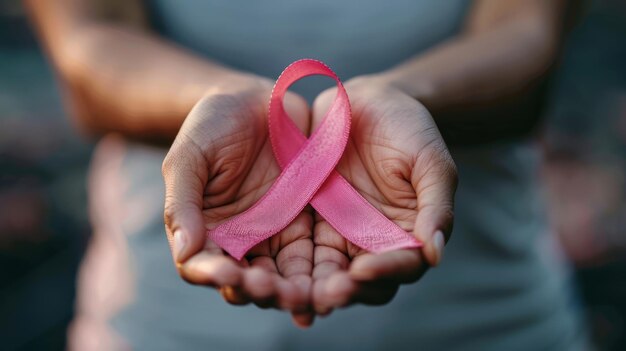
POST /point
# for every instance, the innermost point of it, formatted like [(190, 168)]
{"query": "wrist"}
[(421, 89), (234, 82)]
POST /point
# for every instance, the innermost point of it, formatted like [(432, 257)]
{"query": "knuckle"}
[(184, 153), (436, 157), (209, 104), (168, 214), (167, 165), (450, 169), (359, 83), (296, 99), (324, 98), (224, 111)]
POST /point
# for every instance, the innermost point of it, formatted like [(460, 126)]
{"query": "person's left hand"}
[(397, 159)]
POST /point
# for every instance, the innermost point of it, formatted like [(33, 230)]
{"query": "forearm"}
[(481, 81), (143, 90), (121, 78)]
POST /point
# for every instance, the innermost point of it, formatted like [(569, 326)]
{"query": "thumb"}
[(185, 177), (434, 179)]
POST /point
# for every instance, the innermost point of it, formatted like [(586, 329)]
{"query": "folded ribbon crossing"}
[(308, 176)]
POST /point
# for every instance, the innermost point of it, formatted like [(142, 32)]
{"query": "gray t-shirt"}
[(501, 285)]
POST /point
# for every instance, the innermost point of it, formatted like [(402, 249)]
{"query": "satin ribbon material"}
[(308, 176)]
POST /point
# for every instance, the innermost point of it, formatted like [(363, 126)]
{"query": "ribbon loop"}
[(308, 176)]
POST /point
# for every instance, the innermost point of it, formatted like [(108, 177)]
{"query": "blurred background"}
[(43, 224), (43, 218)]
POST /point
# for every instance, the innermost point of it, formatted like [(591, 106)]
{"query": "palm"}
[(393, 146), (228, 151)]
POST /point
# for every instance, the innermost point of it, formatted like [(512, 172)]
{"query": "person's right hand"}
[(220, 164)]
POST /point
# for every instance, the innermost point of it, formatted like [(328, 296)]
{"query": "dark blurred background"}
[(43, 224), (43, 163), (585, 164)]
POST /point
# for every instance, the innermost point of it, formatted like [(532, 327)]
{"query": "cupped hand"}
[(397, 159), (220, 164)]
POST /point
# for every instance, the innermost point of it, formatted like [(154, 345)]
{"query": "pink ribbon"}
[(308, 176)]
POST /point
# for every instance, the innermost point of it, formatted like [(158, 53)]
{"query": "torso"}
[(499, 287)]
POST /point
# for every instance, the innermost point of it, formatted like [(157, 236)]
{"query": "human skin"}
[(149, 86), (398, 161)]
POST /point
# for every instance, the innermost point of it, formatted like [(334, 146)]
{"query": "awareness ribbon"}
[(308, 176)]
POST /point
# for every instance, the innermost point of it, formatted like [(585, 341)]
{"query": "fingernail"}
[(438, 244), (180, 244)]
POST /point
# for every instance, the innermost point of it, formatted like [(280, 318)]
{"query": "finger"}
[(399, 266), (262, 281), (294, 293), (295, 263), (260, 286), (340, 290), (211, 269), (321, 105), (298, 110), (296, 254), (330, 257), (234, 295), (267, 263), (185, 175), (336, 290), (303, 319), (267, 288), (434, 179), (328, 261)]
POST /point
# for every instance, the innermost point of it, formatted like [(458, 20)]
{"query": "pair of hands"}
[(221, 163)]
